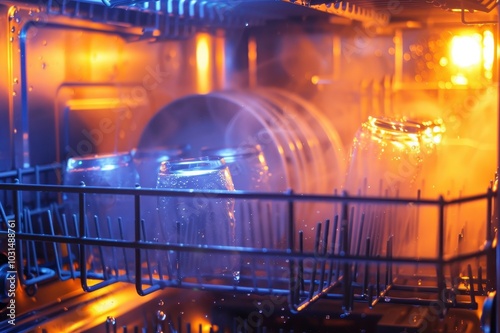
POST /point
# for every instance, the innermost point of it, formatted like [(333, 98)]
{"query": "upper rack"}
[(171, 18)]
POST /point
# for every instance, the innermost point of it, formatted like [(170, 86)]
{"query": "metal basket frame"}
[(326, 271)]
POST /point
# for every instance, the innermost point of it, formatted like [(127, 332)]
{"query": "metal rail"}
[(53, 244)]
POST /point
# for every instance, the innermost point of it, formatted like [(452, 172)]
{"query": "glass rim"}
[(395, 125), (204, 163), (98, 161)]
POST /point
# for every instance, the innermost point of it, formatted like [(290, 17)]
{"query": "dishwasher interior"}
[(375, 209)]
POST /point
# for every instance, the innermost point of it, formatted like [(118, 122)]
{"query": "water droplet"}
[(16, 80), (161, 302), (14, 93), (387, 299), (419, 282), (111, 320), (13, 29), (11, 39), (161, 315), (30, 88), (236, 275), (17, 20)]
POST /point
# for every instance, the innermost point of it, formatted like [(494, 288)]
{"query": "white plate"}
[(330, 145), (284, 137), (303, 139)]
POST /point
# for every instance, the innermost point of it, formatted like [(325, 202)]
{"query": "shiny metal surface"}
[(76, 67)]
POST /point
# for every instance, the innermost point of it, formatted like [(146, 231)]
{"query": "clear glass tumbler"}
[(107, 216), (259, 223), (205, 219), (388, 155), (389, 158), (147, 161)]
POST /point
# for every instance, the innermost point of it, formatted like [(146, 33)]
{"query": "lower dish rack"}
[(358, 256)]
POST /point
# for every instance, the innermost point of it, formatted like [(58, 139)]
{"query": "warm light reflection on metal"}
[(252, 62), (466, 50), (94, 103), (220, 60), (203, 58), (116, 302), (488, 53), (204, 324)]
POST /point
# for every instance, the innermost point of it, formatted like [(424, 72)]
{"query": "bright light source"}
[(202, 52), (488, 50), (466, 50), (203, 58)]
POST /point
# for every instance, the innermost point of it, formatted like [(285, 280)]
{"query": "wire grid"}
[(155, 19), (343, 263)]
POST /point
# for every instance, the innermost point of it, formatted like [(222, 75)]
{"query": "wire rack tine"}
[(323, 253)]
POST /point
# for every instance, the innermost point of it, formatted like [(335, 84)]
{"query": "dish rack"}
[(32, 209)]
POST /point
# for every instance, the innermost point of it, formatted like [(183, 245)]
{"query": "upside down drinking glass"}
[(107, 215), (388, 155), (256, 226), (388, 158), (204, 219)]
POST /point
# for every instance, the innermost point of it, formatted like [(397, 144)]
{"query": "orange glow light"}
[(203, 53), (466, 50)]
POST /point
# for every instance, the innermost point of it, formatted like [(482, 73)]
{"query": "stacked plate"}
[(302, 149)]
